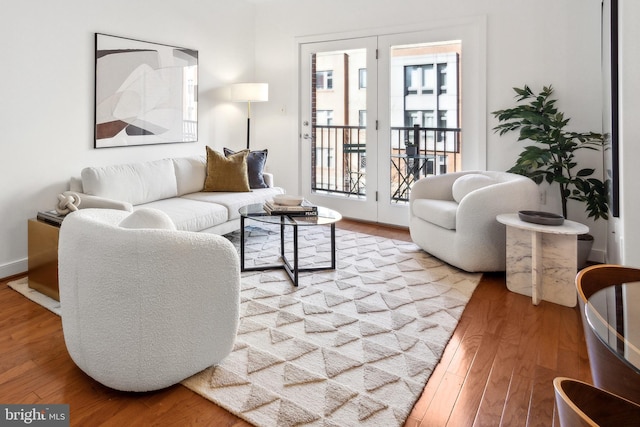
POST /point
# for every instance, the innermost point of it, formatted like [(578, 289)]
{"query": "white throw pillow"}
[(148, 218), (190, 174), (468, 183)]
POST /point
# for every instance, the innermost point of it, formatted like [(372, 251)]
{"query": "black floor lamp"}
[(249, 92)]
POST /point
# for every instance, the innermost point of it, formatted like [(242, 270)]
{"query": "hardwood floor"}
[(497, 370)]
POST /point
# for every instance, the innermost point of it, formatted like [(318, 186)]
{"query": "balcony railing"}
[(339, 161)]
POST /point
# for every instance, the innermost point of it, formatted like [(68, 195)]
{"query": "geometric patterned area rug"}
[(350, 347)]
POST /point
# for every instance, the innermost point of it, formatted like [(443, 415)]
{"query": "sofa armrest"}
[(88, 201), (268, 179)]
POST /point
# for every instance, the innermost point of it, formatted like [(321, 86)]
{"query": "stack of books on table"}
[(303, 209), (50, 217)]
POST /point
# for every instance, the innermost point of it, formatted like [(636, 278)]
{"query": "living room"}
[(49, 47), (565, 53)]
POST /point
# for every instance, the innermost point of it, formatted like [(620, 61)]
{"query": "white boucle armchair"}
[(143, 305), (453, 216)]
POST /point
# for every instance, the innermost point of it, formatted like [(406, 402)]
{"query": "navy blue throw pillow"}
[(255, 167)]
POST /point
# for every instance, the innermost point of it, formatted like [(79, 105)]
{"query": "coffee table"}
[(256, 212)]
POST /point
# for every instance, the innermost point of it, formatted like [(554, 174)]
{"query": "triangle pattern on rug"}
[(355, 346)]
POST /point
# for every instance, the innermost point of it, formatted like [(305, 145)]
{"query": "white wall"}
[(47, 83), (528, 42)]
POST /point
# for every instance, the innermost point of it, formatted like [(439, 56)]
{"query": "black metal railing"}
[(417, 152), (339, 158)]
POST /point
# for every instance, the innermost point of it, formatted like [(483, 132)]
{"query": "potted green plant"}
[(552, 156)]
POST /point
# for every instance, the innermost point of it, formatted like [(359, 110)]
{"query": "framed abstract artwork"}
[(145, 93)]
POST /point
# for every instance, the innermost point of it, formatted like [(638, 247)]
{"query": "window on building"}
[(324, 117), (442, 78), (428, 119), (412, 118), (362, 78), (420, 118), (411, 79), (442, 123), (362, 118), (428, 79), (422, 79), (324, 79), (428, 167), (442, 164)]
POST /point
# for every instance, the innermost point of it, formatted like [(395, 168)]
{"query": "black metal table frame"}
[(294, 269), (413, 165)]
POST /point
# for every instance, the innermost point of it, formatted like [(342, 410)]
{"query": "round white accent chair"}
[(145, 306), (453, 216)]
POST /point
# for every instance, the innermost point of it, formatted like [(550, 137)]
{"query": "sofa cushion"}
[(468, 183), (439, 212), (148, 218), (190, 215), (190, 174), (226, 173), (234, 201), (256, 160), (135, 183)]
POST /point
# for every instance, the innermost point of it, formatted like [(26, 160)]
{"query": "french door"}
[(338, 144), (378, 113)]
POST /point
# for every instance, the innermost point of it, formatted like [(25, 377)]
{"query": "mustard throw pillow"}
[(226, 173)]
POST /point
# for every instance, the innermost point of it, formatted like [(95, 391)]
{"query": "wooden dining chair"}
[(580, 404), (608, 371)]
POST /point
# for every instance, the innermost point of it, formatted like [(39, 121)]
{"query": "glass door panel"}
[(420, 111), (338, 144)]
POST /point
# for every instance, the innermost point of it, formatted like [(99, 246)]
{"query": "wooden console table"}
[(542, 259), (43, 257)]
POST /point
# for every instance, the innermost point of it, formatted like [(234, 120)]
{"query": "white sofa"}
[(453, 216), (145, 306), (173, 186)]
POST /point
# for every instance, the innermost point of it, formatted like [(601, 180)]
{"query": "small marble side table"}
[(542, 259)]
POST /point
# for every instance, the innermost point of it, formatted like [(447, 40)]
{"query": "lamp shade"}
[(250, 92)]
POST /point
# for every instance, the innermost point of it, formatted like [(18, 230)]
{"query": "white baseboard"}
[(13, 268), (597, 256)]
